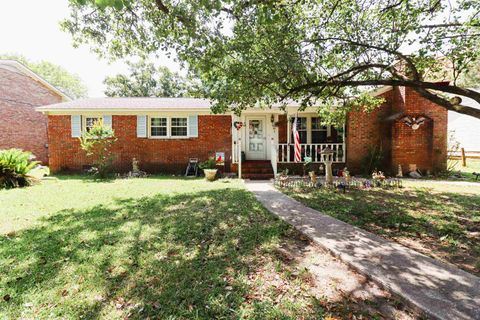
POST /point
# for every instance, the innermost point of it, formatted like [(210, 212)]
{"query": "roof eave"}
[(38, 78), (46, 109), (380, 91)]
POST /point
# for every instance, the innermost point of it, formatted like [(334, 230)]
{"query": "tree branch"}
[(420, 86)]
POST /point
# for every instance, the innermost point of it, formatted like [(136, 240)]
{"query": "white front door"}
[(256, 138)]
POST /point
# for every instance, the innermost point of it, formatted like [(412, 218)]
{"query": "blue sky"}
[(31, 28)]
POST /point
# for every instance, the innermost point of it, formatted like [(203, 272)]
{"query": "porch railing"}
[(286, 153)]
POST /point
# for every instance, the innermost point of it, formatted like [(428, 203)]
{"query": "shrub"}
[(373, 160), (15, 168), (97, 143), (208, 164)]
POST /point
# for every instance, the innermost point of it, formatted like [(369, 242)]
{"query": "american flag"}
[(296, 137)]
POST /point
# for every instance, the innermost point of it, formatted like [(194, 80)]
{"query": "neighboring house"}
[(466, 129), (21, 126), (163, 133)]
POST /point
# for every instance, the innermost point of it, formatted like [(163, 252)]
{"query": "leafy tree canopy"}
[(69, 83), (329, 52), (146, 80), (471, 78)]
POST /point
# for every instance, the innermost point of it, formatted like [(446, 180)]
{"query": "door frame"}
[(247, 138)]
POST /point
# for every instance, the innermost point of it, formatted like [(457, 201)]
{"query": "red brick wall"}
[(366, 130), (155, 155), (20, 125), (425, 147)]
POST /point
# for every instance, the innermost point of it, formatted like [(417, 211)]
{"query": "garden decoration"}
[(321, 169), (313, 177), (476, 174), (307, 161), (414, 122), (135, 173), (346, 175), (400, 172), (378, 177), (367, 184), (342, 186), (327, 158), (209, 168), (135, 168), (339, 183)]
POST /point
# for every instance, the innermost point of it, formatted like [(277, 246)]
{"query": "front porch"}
[(267, 136)]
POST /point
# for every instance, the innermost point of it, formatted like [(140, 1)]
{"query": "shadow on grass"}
[(446, 224), (163, 256), (89, 178)]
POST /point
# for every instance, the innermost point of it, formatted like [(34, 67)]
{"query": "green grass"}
[(473, 165), (441, 220), (158, 247)]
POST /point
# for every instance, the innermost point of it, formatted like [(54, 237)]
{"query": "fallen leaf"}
[(11, 234)]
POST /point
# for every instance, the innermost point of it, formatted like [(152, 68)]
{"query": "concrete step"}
[(257, 170), (257, 176)]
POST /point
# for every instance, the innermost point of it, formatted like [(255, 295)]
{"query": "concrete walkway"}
[(438, 290)]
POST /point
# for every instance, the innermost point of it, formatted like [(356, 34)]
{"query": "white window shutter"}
[(107, 121), (193, 126), (141, 126), (76, 122)]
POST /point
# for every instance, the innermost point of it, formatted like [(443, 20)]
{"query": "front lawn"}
[(473, 165), (166, 248), (439, 219)]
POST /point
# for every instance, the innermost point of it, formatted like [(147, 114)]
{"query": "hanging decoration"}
[(414, 122), (238, 125)]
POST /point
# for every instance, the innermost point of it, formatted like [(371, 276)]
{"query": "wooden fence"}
[(463, 155)]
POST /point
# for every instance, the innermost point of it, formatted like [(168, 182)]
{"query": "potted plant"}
[(209, 168)]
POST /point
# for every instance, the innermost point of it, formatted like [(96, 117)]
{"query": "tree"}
[(69, 83), (471, 78), (97, 144), (146, 80), (328, 52)]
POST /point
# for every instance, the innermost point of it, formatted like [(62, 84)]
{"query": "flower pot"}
[(210, 174), (313, 177)]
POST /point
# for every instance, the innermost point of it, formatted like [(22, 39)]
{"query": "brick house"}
[(21, 126), (163, 133)]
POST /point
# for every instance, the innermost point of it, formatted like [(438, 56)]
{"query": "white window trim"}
[(149, 120), (84, 120), (309, 127), (328, 130), (169, 127)]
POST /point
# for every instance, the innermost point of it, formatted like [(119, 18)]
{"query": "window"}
[(179, 127), (90, 122), (301, 128), (319, 131), (340, 134), (158, 127)]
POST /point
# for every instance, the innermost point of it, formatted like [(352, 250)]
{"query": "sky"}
[(31, 28)]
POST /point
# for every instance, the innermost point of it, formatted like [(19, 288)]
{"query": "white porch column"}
[(239, 146), (273, 156)]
